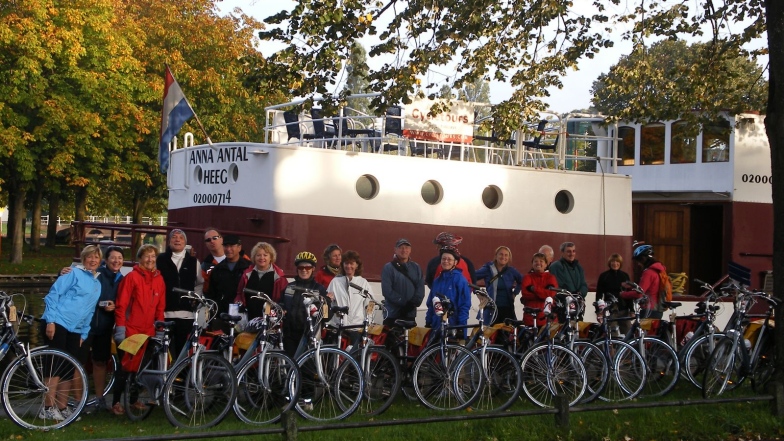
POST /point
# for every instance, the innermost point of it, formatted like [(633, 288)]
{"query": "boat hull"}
[(311, 197)]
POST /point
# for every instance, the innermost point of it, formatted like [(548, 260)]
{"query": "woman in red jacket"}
[(141, 300), (536, 289)]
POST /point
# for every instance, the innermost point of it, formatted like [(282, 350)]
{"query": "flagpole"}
[(195, 115), (198, 121)]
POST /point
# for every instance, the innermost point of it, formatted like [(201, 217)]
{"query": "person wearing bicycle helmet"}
[(332, 259), (264, 276), (450, 283), (295, 321), (649, 279), (433, 269)]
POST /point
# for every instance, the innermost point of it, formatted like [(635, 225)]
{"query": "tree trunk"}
[(54, 212), (139, 204), (16, 232), (774, 126), (80, 204), (35, 226)]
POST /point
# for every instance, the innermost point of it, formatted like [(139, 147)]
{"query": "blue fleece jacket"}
[(455, 287), (71, 301)]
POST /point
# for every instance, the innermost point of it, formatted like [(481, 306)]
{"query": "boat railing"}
[(132, 236), (569, 142)]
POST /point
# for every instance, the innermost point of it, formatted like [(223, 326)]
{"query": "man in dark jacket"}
[(568, 271), (225, 276), (179, 270), (402, 285)]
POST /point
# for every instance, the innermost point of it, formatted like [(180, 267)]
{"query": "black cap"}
[(231, 239), (401, 242)]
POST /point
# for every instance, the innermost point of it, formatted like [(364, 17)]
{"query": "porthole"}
[(367, 187), (492, 197), (234, 173), (432, 192), (198, 174), (564, 201)]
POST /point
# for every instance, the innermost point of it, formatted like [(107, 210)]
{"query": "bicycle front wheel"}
[(199, 391), (662, 367), (597, 369), (553, 370), (25, 388), (503, 379), (447, 377), (268, 386), (695, 359), (332, 385), (382, 380), (719, 371), (627, 371), (765, 367)]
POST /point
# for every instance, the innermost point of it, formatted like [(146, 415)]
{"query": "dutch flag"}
[(176, 111)]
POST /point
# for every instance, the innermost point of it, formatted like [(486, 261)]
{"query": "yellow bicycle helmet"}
[(305, 257)]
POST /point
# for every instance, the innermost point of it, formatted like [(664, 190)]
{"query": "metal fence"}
[(289, 427)]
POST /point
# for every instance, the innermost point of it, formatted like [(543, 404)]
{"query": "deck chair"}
[(293, 128), (393, 125), (320, 131)]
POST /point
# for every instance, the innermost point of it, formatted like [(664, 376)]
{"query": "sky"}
[(575, 93)]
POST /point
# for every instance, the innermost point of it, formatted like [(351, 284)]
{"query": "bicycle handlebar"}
[(257, 295)]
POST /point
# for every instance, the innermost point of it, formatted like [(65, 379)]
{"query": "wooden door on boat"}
[(667, 228)]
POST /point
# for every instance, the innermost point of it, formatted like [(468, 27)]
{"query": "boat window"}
[(432, 192), (492, 197), (198, 174), (367, 187), (716, 141), (652, 144), (683, 143), (564, 201), (234, 173), (626, 145)]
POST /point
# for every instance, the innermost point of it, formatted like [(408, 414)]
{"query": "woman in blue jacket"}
[(452, 285), (503, 283), (70, 305)]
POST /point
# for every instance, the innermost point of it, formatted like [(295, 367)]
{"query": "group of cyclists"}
[(91, 305)]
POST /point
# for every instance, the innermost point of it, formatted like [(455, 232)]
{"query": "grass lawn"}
[(46, 261), (720, 422)]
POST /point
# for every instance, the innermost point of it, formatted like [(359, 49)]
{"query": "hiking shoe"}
[(117, 409), (51, 413), (67, 412), (98, 406)]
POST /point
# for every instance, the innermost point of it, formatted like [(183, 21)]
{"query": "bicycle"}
[(332, 381), (197, 391), (443, 374), (549, 370), (379, 366), (570, 306), (268, 379), (661, 362), (695, 352), (732, 360), (24, 381), (501, 371), (627, 372)]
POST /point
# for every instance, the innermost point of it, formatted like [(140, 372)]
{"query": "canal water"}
[(31, 301)]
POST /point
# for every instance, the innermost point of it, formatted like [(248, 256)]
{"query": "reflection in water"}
[(34, 306)]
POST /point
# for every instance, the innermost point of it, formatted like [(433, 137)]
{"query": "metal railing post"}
[(289, 423), (777, 403), (562, 415)]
